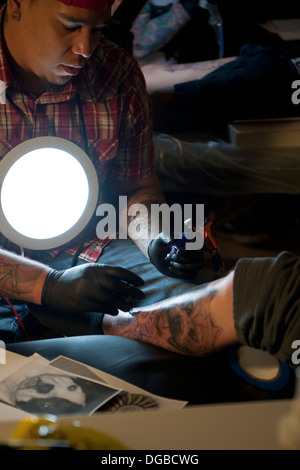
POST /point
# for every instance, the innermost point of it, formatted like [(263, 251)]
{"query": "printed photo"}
[(39, 388)]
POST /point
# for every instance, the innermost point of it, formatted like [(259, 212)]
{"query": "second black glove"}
[(184, 264)]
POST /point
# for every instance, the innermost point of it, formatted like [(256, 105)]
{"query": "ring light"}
[(48, 193)]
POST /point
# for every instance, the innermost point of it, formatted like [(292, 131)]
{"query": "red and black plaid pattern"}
[(109, 93)]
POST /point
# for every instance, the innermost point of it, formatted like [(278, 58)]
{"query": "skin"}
[(145, 191), (68, 34), (198, 323), (21, 278)]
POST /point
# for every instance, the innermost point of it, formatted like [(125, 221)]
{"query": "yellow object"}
[(46, 433)]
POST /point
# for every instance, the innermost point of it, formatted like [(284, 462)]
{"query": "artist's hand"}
[(184, 264), (92, 288)]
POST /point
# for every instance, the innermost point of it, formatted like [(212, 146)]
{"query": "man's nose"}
[(84, 45)]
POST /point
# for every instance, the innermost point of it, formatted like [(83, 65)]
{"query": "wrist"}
[(39, 287), (49, 280), (116, 325)]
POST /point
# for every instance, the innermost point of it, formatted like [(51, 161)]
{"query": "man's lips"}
[(71, 69)]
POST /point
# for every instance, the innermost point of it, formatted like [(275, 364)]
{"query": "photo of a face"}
[(130, 398), (38, 388)]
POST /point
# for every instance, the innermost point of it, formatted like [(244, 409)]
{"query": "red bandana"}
[(89, 4)]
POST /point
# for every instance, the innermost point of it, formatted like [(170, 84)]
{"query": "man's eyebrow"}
[(77, 21)]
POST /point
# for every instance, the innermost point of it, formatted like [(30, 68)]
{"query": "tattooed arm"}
[(141, 223), (144, 192), (199, 322), (21, 278)]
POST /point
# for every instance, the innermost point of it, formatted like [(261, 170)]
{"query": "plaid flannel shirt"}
[(117, 127)]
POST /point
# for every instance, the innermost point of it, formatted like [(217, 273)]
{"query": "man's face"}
[(55, 40)]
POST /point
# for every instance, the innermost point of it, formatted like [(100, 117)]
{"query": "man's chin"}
[(55, 86)]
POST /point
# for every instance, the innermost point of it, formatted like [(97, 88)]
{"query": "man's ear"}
[(14, 4), (14, 8)]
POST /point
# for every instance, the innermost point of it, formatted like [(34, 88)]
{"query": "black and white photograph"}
[(42, 389)]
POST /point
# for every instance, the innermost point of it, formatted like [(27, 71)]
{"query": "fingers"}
[(125, 275), (186, 264), (191, 261), (111, 303), (188, 256), (122, 282), (115, 289)]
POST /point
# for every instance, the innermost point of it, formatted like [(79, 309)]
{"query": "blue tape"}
[(279, 382)]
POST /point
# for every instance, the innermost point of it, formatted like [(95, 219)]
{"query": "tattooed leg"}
[(199, 322)]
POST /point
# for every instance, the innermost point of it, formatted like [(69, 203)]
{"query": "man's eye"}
[(69, 28)]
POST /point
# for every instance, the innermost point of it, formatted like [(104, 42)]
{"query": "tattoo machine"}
[(212, 247), (210, 243)]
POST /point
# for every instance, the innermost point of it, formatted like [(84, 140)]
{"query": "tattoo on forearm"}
[(147, 198), (9, 279), (141, 222), (187, 327)]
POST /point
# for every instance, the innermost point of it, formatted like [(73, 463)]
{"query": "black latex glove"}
[(92, 288), (184, 264)]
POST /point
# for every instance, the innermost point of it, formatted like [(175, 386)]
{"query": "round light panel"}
[(49, 191)]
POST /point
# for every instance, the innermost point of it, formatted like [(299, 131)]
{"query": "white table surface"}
[(237, 426)]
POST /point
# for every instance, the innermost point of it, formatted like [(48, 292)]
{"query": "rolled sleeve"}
[(266, 303)]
